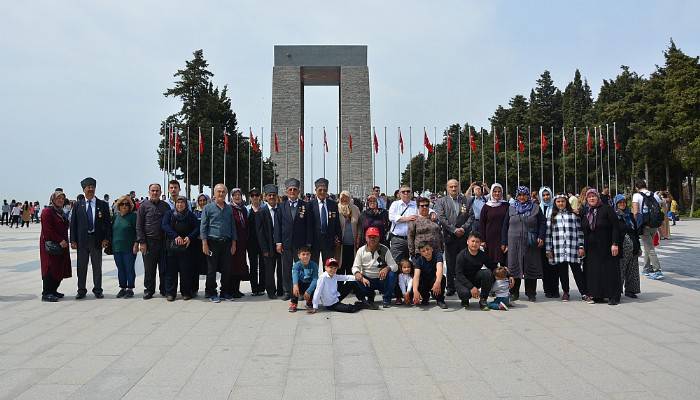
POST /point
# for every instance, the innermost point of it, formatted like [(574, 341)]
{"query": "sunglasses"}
[(405, 191), (254, 195), (124, 204), (424, 205)]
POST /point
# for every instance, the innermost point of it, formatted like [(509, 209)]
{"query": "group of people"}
[(18, 214), (323, 248)]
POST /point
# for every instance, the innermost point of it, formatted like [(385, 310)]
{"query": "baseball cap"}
[(331, 261), (372, 231)]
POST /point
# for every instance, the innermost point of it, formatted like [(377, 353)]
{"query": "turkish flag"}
[(277, 144), (565, 144), (543, 141), (521, 145), (618, 146), (376, 143), (226, 142), (426, 141), (589, 142), (449, 143), (325, 141), (400, 141), (350, 140), (178, 147), (301, 140), (497, 142), (602, 141), (201, 142), (472, 142)]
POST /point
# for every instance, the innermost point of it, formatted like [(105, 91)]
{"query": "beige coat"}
[(354, 221)]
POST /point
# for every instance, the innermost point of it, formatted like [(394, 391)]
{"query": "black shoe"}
[(237, 295), (450, 292), (465, 303), (129, 294), (386, 305), (170, 298), (631, 295), (286, 297), (121, 293), (147, 296), (366, 305), (162, 294), (549, 295), (532, 298), (99, 295), (49, 298), (272, 296), (424, 302), (613, 302), (279, 293), (442, 305), (58, 295), (80, 295), (483, 305)]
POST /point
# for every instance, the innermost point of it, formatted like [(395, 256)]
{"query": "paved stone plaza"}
[(254, 349)]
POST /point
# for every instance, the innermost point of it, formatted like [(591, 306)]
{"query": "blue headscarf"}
[(623, 214), (526, 207)]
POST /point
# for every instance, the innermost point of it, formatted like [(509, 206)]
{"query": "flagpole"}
[(505, 152), (225, 148), (459, 159), (170, 136), (552, 160), (435, 159), (399, 162), (517, 150), (483, 167), (607, 139), (199, 160), (448, 143), (529, 155), (262, 140), (602, 158), (423, 158), (563, 158), (300, 153), (495, 177), (187, 166), (595, 134), (250, 151), (165, 141), (311, 159), (575, 160), (588, 135), (386, 163), (337, 160), (324, 151), (374, 158), (471, 176), (615, 144), (362, 172), (541, 157), (410, 156), (286, 153), (212, 162)]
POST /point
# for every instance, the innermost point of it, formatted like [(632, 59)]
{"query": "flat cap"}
[(270, 188), (88, 182), (292, 183), (321, 182)]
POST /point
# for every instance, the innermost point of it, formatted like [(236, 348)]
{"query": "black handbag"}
[(174, 248), (53, 248)]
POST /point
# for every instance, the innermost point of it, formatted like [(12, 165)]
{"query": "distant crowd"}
[(322, 247)]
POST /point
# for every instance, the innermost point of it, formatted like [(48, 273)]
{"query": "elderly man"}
[(456, 218), (90, 232), (151, 239), (325, 224), (374, 268), (292, 232), (400, 214), (218, 233), (265, 221)]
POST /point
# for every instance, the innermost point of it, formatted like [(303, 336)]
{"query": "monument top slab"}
[(320, 55)]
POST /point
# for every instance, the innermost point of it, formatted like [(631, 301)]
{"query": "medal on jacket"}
[(331, 214), (302, 210), (99, 214), (463, 209)]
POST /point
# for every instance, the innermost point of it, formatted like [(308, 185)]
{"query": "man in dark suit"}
[(90, 232), (292, 232), (265, 221), (455, 215), (326, 226)]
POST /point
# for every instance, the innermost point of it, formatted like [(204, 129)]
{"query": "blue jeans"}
[(494, 304), (125, 268), (385, 286)]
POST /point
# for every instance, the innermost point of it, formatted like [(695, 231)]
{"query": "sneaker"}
[(659, 275), (147, 296), (186, 297), (442, 305), (49, 298), (129, 294), (386, 304), (58, 295), (228, 297), (215, 299), (484, 305), (590, 300), (653, 276), (464, 303), (502, 306), (309, 305), (398, 302), (565, 297), (121, 293), (292, 307)]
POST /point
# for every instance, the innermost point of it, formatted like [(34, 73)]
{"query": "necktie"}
[(293, 208), (91, 220), (274, 210), (324, 217)]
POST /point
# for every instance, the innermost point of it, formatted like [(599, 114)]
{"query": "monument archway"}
[(343, 66)]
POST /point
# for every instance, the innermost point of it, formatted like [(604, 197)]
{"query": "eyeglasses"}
[(254, 195), (405, 191), (124, 204), (293, 189), (424, 205)]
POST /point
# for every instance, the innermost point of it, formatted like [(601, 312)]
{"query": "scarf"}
[(623, 215), (549, 204), (205, 197), (59, 211), (492, 202), (592, 214), (527, 206)]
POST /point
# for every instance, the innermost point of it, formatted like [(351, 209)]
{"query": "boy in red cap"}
[(326, 292)]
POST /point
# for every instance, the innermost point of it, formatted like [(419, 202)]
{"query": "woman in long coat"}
[(54, 228), (200, 258), (349, 216), (491, 224), (239, 260), (601, 236), (523, 234), (630, 248)]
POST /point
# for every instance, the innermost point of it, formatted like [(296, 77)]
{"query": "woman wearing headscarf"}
[(373, 216), (181, 228), (55, 265), (350, 232), (523, 234), (631, 248), (125, 246), (550, 274), (239, 259), (200, 260), (601, 236), (491, 224)]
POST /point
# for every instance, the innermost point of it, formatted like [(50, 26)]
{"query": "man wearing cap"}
[(326, 225), (151, 239), (374, 268), (90, 232), (265, 221), (292, 232)]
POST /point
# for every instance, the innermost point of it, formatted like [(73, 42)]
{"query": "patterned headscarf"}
[(54, 196), (526, 207), (592, 214)]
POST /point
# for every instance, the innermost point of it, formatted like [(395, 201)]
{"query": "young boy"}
[(304, 277), (428, 277), (327, 290)]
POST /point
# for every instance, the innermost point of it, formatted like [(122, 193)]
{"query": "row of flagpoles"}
[(172, 136)]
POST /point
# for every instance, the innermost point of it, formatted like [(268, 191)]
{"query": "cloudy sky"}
[(81, 82)]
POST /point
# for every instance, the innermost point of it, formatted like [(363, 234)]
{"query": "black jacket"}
[(324, 240), (264, 229), (79, 223), (296, 232)]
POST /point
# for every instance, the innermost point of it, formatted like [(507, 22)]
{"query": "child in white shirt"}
[(406, 282), (326, 292)]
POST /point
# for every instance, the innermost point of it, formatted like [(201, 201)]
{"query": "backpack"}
[(654, 217)]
